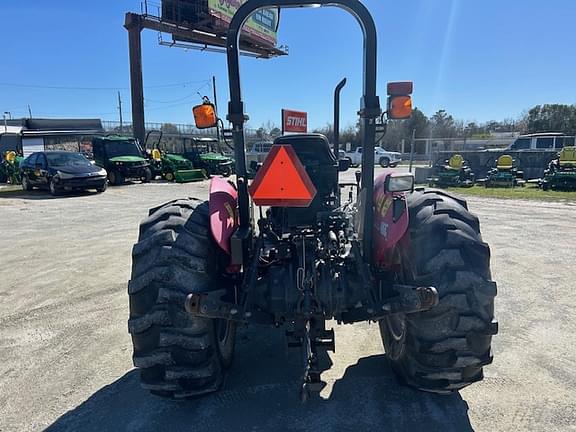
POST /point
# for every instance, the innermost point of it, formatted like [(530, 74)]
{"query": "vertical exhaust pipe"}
[(337, 91)]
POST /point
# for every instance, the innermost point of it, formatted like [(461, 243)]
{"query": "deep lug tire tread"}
[(446, 347), (178, 354)]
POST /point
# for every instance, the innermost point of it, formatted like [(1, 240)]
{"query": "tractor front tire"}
[(147, 175), (444, 349), (179, 355)]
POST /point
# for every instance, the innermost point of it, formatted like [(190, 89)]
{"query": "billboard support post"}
[(134, 27)]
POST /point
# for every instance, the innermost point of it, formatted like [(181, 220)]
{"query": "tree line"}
[(540, 118)]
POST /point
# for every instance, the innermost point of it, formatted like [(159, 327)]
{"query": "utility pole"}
[(120, 111), (412, 148), (29, 111), (216, 107), (6, 114)]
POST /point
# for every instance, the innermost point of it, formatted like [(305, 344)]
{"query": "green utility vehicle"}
[(10, 168), (561, 172), (454, 172), (505, 173), (122, 157), (205, 153), (169, 165)]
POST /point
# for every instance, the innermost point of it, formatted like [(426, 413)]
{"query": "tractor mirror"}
[(399, 100), (399, 183), (205, 116)]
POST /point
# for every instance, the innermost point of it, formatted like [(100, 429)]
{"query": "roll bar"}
[(369, 104)]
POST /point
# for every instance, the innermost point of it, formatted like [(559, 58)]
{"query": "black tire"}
[(226, 171), (26, 186), (147, 175), (103, 188), (179, 355), (54, 191), (384, 162), (444, 349), (115, 178), (169, 176)]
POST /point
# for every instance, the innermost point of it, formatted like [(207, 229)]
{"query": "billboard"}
[(294, 121), (261, 26)]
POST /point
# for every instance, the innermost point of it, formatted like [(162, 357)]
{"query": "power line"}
[(171, 101), (194, 94), (49, 87)]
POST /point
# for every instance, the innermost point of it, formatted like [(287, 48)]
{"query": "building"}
[(29, 135)]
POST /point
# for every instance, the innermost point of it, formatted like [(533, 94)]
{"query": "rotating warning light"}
[(282, 181)]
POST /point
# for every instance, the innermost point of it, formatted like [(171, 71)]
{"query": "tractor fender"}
[(390, 222), (223, 204)]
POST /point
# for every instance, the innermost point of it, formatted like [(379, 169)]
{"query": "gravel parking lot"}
[(65, 353)]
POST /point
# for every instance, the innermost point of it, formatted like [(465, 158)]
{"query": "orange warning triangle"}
[(282, 181)]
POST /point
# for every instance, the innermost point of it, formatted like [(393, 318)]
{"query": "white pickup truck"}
[(382, 157)]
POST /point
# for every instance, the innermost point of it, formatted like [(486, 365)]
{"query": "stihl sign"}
[(294, 121)]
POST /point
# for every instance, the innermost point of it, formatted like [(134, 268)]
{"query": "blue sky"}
[(478, 59)]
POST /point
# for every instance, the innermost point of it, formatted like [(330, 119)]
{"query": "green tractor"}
[(505, 173), (171, 167), (10, 168), (454, 172), (561, 172), (206, 153), (122, 157)]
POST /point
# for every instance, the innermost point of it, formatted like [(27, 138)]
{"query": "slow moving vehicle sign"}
[(282, 180)]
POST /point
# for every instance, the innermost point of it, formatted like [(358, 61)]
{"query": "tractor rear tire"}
[(444, 349), (179, 355), (226, 171), (169, 176), (26, 185)]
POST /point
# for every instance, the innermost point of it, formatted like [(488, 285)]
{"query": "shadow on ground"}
[(39, 195), (261, 394)]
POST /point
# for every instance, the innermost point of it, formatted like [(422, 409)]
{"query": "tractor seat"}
[(312, 149), (505, 162), (456, 162), (156, 155), (10, 156), (568, 157)]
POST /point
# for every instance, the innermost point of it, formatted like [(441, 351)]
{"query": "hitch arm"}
[(210, 305), (409, 300)]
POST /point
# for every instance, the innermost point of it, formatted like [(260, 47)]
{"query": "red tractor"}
[(411, 260)]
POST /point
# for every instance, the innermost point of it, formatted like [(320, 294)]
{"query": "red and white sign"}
[(294, 121)]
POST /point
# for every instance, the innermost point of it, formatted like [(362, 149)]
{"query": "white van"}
[(542, 141)]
